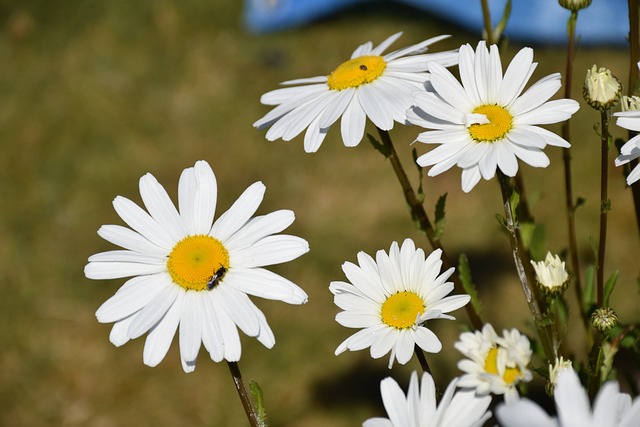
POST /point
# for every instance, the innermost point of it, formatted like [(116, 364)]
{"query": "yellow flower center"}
[(401, 310), (195, 260), (511, 375), (356, 72), (500, 123)]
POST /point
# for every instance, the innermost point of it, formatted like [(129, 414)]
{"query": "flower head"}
[(610, 408), (604, 318), (487, 122), (419, 409), (392, 298), (574, 5), (192, 273), (494, 364), (369, 85), (601, 89), (551, 275)]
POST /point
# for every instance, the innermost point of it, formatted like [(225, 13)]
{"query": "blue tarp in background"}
[(605, 22)]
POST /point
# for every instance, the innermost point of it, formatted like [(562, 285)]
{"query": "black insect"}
[(363, 67), (217, 276)]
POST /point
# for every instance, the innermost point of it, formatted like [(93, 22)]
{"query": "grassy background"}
[(95, 94)]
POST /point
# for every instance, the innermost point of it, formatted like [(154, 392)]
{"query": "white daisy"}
[(551, 274), (391, 298), (368, 85), (487, 122), (610, 408), (494, 364), (419, 409), (190, 272), (630, 120)]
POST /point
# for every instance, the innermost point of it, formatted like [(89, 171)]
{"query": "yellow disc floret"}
[(356, 72), (500, 123), (195, 259), (510, 376), (401, 310)]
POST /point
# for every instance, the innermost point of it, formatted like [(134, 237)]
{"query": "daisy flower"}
[(369, 84), (419, 409), (391, 298), (610, 408), (192, 273), (487, 122), (630, 120), (494, 364)]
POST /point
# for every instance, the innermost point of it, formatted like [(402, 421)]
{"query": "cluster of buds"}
[(601, 90)]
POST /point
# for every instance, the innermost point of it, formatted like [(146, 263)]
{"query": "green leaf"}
[(515, 201), (464, 272), (378, 146), (502, 221), (440, 219), (609, 285), (589, 294), (420, 192), (534, 239), (258, 398)]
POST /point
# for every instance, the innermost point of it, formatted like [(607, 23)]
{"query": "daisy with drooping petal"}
[(391, 298), (487, 122), (370, 84), (419, 409), (610, 408), (494, 364), (192, 273)]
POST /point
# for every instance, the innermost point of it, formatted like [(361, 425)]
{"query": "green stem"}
[(488, 26), (604, 203), (417, 210), (595, 362), (243, 394), (544, 334), (423, 360), (566, 157)]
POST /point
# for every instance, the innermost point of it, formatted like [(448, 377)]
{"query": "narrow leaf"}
[(609, 285), (440, 219), (464, 272), (258, 398), (378, 146)]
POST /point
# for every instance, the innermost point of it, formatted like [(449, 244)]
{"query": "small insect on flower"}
[(217, 276)]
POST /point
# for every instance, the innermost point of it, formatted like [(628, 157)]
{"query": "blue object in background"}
[(605, 22)]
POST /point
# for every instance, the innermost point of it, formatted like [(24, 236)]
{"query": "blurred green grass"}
[(95, 94)]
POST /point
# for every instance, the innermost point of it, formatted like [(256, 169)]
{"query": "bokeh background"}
[(95, 94)]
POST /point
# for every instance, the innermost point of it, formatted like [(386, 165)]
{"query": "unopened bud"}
[(601, 89), (604, 318)]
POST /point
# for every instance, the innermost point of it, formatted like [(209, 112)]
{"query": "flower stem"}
[(566, 157), (243, 394), (529, 292), (418, 212), (595, 362), (488, 26), (422, 359), (605, 203)]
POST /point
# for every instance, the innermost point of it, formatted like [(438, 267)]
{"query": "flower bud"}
[(601, 89), (551, 275), (574, 5), (554, 371), (604, 318), (630, 103)]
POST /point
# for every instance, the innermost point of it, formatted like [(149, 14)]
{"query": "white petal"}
[(119, 332), (516, 77), (470, 178), (395, 403), (159, 339), (239, 213), (362, 50), (142, 222), (211, 335), (161, 208), (427, 340), (197, 197), (404, 347), (337, 106), (449, 88), (129, 239), (536, 95), (532, 157), (118, 270), (230, 337), (153, 312), (353, 123), (265, 337), (137, 294), (269, 251), (385, 44), (265, 284), (239, 308), (314, 136), (190, 336), (259, 227), (507, 161), (550, 112), (374, 107)]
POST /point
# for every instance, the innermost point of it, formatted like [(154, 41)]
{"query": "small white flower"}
[(192, 273), (419, 409), (494, 364), (555, 370), (601, 89), (487, 122), (369, 85), (391, 298), (551, 274), (630, 120), (610, 408)]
